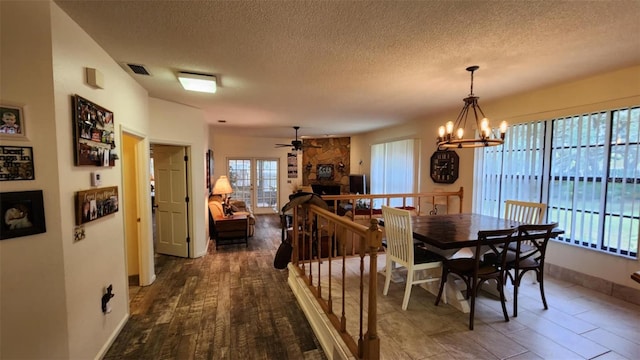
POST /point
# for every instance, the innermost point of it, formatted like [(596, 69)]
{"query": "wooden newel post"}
[(371, 340)]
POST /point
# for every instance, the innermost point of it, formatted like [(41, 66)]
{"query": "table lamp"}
[(223, 187)]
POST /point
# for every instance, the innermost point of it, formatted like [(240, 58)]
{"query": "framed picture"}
[(209, 170), (292, 165), (22, 214), (325, 172), (12, 122), (96, 203), (94, 136), (16, 163)]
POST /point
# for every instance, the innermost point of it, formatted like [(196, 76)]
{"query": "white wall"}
[(175, 124), (605, 91)]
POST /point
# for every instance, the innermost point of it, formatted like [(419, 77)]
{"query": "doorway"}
[(136, 209), (256, 182), (171, 200)]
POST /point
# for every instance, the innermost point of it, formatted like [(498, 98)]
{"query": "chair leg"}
[(472, 305), (540, 278), (516, 284), (443, 280), (407, 289), (503, 300), (387, 276)]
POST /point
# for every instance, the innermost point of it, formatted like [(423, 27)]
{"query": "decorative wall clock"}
[(445, 166)]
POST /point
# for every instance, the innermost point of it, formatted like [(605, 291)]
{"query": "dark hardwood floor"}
[(230, 304), (233, 304)]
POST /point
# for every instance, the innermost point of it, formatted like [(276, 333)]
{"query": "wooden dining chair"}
[(402, 251), (521, 262), (488, 263), (525, 212)]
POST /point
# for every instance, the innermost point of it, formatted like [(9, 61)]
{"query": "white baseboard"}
[(112, 338)]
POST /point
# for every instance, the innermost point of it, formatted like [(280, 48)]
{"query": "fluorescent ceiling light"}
[(197, 82)]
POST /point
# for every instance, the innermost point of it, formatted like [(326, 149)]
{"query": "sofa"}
[(216, 211)]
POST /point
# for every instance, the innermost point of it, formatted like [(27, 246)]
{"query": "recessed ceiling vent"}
[(138, 69)]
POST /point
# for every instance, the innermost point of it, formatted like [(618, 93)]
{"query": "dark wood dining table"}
[(447, 234), (455, 231)]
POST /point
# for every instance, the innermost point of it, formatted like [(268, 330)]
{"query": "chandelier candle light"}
[(487, 137)]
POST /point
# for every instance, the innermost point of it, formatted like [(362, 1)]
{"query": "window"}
[(392, 169), (511, 171), (591, 187)]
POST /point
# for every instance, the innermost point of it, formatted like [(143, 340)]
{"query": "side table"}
[(232, 229)]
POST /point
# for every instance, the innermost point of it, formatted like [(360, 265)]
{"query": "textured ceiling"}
[(346, 67)]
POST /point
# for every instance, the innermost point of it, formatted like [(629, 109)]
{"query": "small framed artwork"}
[(325, 172), (209, 156), (16, 163), (12, 122), (94, 136), (22, 214), (292, 165), (96, 203)]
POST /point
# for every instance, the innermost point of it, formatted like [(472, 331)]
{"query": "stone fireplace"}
[(326, 168)]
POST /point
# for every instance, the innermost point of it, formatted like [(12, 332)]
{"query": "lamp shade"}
[(222, 186)]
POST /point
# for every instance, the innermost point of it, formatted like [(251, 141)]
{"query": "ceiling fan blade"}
[(283, 145)]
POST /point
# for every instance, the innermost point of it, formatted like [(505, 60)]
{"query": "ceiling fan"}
[(296, 144)]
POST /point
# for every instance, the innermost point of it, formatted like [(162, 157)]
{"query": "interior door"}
[(255, 181), (170, 174)]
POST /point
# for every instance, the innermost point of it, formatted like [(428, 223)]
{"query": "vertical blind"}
[(392, 169), (591, 182), (511, 171)]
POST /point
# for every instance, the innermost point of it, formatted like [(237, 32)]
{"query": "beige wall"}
[(606, 91), (99, 260), (51, 286), (32, 284)]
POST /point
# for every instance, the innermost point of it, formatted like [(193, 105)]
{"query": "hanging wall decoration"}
[(292, 165), (12, 123), (22, 214), (16, 163), (94, 133), (96, 203)]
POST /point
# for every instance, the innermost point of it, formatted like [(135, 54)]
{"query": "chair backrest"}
[(399, 233), (494, 244), (536, 236), (525, 212)]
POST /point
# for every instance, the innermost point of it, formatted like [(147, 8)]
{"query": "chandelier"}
[(486, 136)]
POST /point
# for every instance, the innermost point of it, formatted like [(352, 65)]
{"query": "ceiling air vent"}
[(138, 69)]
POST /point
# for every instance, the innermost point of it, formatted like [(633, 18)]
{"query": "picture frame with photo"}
[(12, 122), (96, 203), (22, 214), (94, 133)]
